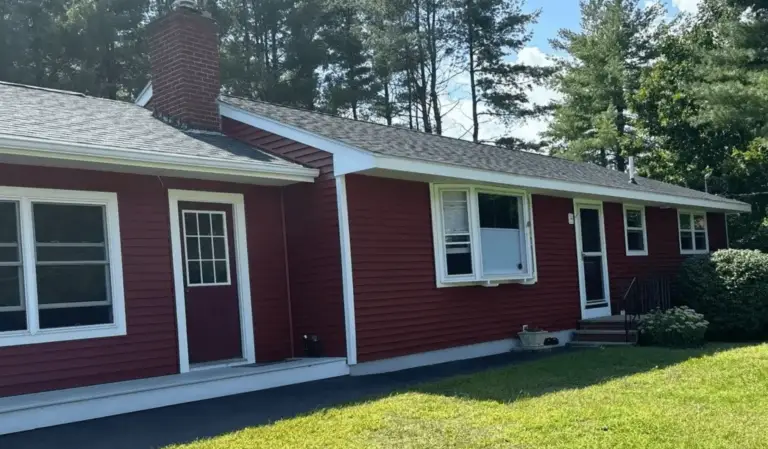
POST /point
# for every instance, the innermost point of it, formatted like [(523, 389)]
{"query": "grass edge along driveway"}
[(621, 397)]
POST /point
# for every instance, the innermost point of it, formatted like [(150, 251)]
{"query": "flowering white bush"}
[(680, 326)]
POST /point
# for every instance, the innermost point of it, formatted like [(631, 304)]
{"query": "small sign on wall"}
[(570, 218)]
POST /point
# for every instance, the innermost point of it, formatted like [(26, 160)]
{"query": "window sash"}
[(198, 237), (628, 229), (691, 231), (441, 243), (26, 198)]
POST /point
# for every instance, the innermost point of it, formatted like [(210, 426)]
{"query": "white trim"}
[(448, 355), (347, 277), (727, 233), (597, 312), (477, 277), (237, 201), (34, 411), (348, 159), (71, 151), (691, 213), (200, 260), (472, 174), (644, 229), (144, 96), (33, 334)]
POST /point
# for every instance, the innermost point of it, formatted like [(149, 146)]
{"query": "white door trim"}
[(237, 201), (599, 311)]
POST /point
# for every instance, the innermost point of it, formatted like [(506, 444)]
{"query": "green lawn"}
[(605, 398)]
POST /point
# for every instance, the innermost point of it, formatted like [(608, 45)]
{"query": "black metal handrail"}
[(643, 296)]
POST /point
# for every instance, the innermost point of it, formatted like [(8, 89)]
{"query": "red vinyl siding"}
[(150, 348), (314, 253), (400, 311)]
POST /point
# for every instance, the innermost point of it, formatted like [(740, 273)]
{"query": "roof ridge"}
[(44, 89)]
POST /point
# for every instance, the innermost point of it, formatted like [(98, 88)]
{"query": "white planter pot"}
[(533, 340)]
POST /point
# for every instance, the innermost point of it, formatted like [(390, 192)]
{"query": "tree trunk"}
[(433, 64), (472, 83), (387, 103), (422, 88)]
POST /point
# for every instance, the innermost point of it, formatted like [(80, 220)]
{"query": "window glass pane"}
[(71, 284), (190, 223), (219, 248), (206, 248), (458, 259), (634, 218), (222, 276), (699, 222), (701, 240), (194, 274), (9, 253), (8, 222), (685, 221), (635, 240), (13, 321), (498, 211), (208, 276), (590, 230), (455, 212), (66, 223), (218, 224), (71, 253), (75, 316), (686, 241), (204, 221), (10, 286), (193, 251), (593, 277)]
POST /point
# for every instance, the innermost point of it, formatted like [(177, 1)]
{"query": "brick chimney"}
[(184, 58)]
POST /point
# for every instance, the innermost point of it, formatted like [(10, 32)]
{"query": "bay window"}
[(693, 232), (60, 266), (482, 235)]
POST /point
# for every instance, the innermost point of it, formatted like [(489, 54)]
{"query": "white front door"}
[(592, 259)]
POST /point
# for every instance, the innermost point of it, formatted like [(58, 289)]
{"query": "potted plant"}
[(532, 338)]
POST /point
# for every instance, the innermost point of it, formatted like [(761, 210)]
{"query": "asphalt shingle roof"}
[(34, 112), (406, 143)]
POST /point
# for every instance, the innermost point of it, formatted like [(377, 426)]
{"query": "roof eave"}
[(48, 149)]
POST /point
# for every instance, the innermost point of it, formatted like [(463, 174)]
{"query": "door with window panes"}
[(210, 284)]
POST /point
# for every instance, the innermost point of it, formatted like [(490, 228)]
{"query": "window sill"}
[(637, 253), (692, 252), (21, 338), (529, 280)]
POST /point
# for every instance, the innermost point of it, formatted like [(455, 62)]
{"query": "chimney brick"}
[(184, 59)]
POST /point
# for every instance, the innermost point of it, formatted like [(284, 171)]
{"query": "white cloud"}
[(458, 122), (689, 6)]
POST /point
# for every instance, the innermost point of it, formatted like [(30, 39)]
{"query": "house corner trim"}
[(346, 269)]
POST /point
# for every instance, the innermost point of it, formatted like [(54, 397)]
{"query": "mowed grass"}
[(715, 397)]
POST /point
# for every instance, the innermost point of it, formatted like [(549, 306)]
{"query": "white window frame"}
[(25, 197), (643, 228), (477, 277), (200, 260), (692, 230)]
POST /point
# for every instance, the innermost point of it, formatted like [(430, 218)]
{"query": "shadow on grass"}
[(572, 370), (503, 378)]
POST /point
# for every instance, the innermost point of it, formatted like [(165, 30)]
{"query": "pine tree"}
[(617, 42)]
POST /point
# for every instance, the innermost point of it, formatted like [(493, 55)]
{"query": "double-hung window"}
[(481, 235), (60, 266), (635, 231), (693, 232)]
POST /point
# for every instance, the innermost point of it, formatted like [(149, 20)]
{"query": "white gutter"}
[(60, 150)]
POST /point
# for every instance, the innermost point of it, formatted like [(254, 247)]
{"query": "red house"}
[(165, 252)]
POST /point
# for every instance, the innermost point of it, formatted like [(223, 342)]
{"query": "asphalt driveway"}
[(157, 428)]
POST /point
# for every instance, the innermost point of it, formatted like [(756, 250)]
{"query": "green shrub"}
[(677, 327), (730, 288)]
